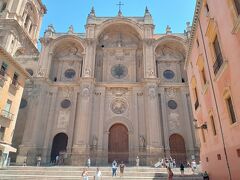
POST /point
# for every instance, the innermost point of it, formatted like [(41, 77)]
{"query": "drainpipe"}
[(215, 101)]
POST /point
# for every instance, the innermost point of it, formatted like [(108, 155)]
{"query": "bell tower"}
[(20, 23)]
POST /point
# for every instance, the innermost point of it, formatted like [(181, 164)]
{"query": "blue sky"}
[(62, 13)]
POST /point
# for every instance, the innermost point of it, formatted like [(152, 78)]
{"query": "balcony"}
[(218, 63), (14, 86), (196, 105), (6, 118)]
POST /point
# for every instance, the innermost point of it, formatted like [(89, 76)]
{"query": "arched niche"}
[(119, 54), (170, 54), (66, 60)]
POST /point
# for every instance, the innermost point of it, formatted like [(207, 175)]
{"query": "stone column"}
[(89, 61), (100, 147), (134, 145), (165, 122), (49, 125), (154, 134), (149, 59), (82, 125), (190, 141)]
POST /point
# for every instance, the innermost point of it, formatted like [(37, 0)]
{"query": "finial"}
[(147, 13), (92, 12), (71, 29), (168, 30), (146, 10), (188, 28)]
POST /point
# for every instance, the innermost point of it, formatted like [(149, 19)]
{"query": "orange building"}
[(213, 67)]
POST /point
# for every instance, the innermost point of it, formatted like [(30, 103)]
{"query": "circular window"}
[(172, 104), (30, 71), (23, 103), (65, 103), (119, 71), (168, 74), (70, 73)]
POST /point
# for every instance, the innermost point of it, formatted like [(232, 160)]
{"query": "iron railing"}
[(7, 115)]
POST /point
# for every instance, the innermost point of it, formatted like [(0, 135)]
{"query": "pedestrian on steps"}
[(85, 174), (170, 173), (182, 169), (122, 166)]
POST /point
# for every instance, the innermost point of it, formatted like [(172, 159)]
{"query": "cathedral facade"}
[(116, 91)]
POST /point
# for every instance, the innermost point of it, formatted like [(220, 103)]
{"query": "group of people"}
[(169, 163), (115, 166), (98, 174)]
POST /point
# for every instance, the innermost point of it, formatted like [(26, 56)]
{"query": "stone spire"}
[(92, 13), (147, 13), (148, 17)]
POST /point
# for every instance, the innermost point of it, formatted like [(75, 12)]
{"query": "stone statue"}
[(71, 29), (95, 141), (142, 141)]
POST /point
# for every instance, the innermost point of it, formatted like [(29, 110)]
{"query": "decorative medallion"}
[(119, 106), (119, 71)]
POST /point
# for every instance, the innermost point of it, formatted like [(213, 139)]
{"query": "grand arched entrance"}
[(59, 145), (118, 143), (177, 148)]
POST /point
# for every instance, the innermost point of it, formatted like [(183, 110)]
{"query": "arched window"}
[(30, 18)]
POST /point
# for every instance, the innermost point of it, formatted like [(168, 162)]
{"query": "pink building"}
[(213, 67)]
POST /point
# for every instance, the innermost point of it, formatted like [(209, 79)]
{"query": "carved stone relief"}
[(119, 106), (171, 92), (152, 92), (174, 123), (63, 119)]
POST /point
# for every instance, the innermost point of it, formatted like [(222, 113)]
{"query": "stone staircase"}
[(74, 173)]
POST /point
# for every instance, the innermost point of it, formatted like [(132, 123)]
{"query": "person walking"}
[(137, 161), (85, 174), (170, 173), (182, 169), (88, 162), (122, 166), (114, 168), (98, 175)]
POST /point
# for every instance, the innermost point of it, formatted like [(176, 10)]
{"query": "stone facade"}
[(118, 90)]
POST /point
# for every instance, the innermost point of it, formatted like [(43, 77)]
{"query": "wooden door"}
[(177, 148), (118, 144)]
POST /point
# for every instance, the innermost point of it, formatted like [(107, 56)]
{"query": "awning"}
[(7, 148)]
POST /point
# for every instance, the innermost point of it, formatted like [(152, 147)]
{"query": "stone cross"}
[(120, 4)]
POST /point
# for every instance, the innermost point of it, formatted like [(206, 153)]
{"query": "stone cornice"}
[(194, 29)]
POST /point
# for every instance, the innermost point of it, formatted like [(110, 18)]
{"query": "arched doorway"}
[(59, 145), (177, 148), (118, 143)]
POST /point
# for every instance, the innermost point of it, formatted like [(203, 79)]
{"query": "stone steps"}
[(63, 172)]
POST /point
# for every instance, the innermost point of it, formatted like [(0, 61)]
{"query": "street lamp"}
[(203, 126)]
